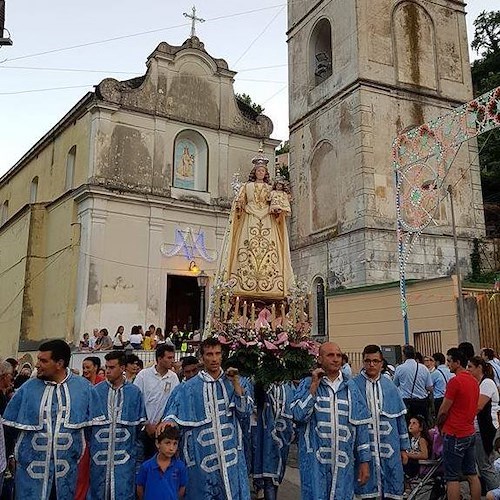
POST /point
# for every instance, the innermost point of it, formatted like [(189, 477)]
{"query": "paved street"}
[(290, 488)]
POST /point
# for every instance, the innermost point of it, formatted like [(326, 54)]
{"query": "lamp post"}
[(462, 334), (4, 32), (202, 279)]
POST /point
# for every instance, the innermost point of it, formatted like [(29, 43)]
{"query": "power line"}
[(132, 35), (69, 70), (24, 257), (29, 281), (110, 72), (30, 91), (258, 36), (47, 89)]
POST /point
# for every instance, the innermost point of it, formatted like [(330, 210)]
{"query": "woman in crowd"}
[(118, 340), (136, 337), (486, 422)]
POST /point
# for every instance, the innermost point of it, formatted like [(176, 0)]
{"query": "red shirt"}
[(463, 390)]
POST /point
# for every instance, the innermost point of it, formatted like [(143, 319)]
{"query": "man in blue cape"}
[(388, 432), (332, 422), (51, 412), (208, 409), (272, 437), (114, 445)]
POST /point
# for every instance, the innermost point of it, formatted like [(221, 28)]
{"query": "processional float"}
[(258, 309)]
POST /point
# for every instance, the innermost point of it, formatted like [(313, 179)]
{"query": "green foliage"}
[(485, 77), (478, 274), (269, 370), (298, 362), (487, 32), (249, 102), (283, 148), (265, 368), (475, 260), (245, 359)]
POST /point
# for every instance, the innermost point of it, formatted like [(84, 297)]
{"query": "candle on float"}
[(226, 306), (301, 309), (273, 313), (252, 312), (309, 307), (245, 310), (217, 305), (283, 317), (236, 310), (292, 314)]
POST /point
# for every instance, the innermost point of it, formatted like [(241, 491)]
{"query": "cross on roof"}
[(193, 20)]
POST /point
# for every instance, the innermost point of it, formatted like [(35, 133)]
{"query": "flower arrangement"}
[(268, 356)]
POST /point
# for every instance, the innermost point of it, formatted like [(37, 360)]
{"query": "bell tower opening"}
[(320, 52)]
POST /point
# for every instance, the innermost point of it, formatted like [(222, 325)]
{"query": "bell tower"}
[(362, 71)]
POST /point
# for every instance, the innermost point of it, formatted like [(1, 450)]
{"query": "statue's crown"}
[(260, 159)]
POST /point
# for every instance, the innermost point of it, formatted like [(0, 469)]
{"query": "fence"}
[(488, 315), (355, 360), (147, 357), (428, 342)]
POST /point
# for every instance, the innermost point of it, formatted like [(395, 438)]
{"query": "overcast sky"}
[(35, 73)]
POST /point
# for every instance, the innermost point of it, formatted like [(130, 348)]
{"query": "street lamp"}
[(462, 334), (4, 32), (202, 279)]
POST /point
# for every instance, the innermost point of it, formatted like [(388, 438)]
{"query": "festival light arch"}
[(422, 157)]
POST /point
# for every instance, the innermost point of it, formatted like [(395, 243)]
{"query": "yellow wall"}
[(13, 242), (50, 167), (59, 283), (38, 268), (374, 316)]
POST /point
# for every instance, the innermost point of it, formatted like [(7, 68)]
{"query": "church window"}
[(34, 190), (5, 212), (320, 52), (319, 308), (190, 165), (70, 168)]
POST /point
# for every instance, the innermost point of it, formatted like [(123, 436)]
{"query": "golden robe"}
[(259, 252)]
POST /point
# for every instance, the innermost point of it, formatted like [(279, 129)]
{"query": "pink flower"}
[(270, 346), (223, 340), (282, 337)]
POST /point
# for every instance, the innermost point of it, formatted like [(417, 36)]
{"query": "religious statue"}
[(186, 164), (259, 262)]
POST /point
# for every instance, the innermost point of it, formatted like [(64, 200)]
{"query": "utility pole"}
[(462, 334)]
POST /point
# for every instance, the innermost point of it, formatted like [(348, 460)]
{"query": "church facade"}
[(109, 218), (361, 72)]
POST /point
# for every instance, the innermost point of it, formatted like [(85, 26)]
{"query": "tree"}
[(284, 147), (487, 32), (485, 77), (245, 98)]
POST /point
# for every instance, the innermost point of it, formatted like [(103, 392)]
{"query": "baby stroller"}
[(430, 483)]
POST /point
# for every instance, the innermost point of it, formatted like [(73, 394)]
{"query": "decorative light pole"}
[(202, 279), (462, 334), (428, 152)]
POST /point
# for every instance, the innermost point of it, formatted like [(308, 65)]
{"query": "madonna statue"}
[(259, 253)]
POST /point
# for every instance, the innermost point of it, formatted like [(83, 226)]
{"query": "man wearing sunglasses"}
[(388, 431)]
